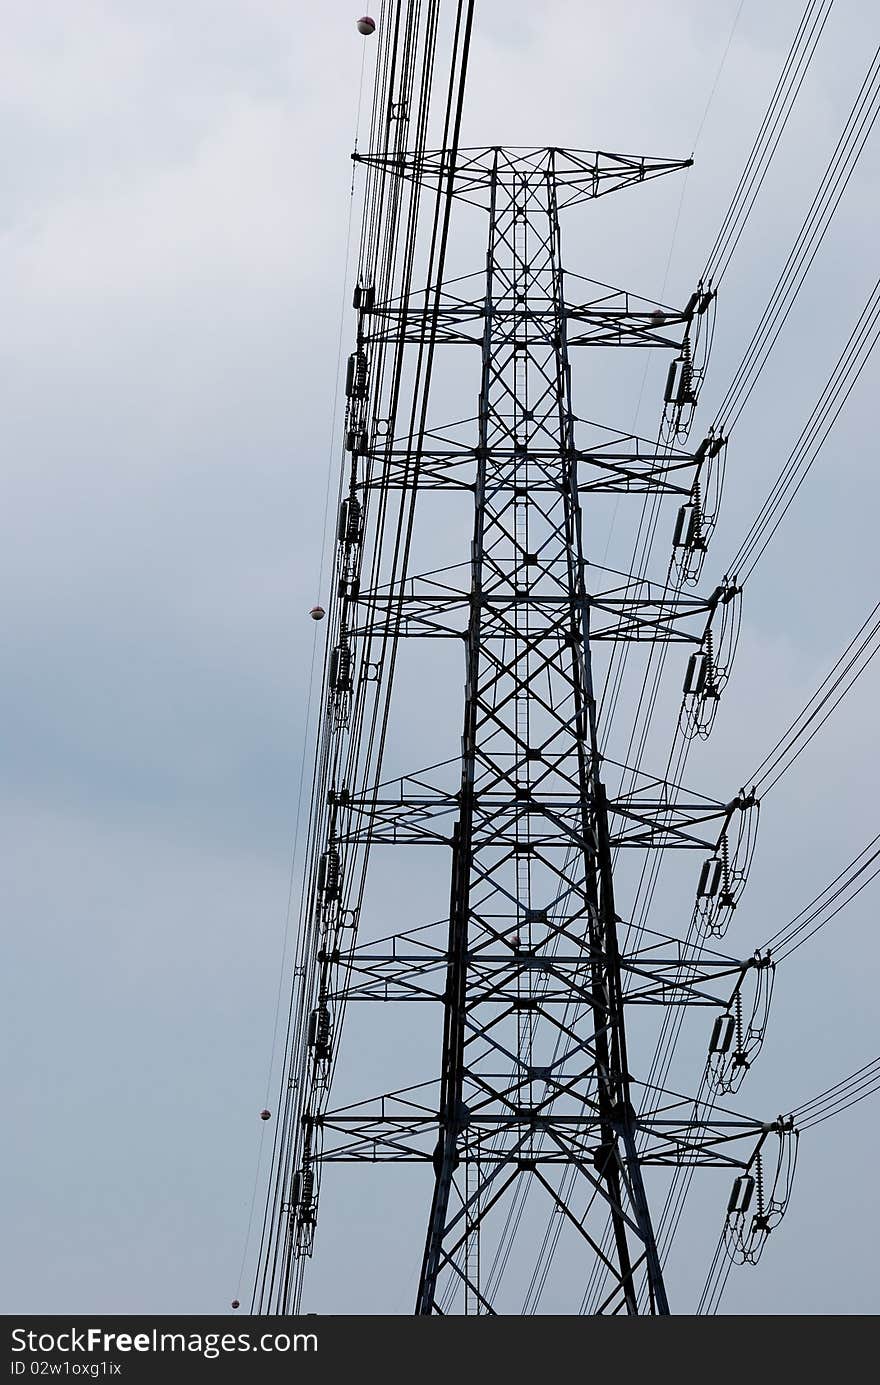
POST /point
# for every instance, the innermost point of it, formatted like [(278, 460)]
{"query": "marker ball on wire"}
[(265, 1115), (317, 613), (366, 25), (235, 1303)]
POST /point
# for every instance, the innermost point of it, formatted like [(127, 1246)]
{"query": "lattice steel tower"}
[(532, 895), (534, 1079)]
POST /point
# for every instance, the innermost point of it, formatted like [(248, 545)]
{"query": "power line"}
[(860, 1085), (848, 668), (819, 911), (770, 132), (835, 180)]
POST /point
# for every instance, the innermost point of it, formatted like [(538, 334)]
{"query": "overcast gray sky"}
[(174, 219)]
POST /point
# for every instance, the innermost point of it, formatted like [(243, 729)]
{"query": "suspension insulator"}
[(356, 375), (329, 874), (364, 297), (349, 527), (697, 673), (741, 1194), (322, 1033), (307, 1188), (684, 393), (669, 391), (686, 527), (723, 1031), (319, 1031), (356, 440), (340, 669), (710, 878)]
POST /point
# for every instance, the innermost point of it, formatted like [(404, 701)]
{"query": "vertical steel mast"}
[(531, 863)]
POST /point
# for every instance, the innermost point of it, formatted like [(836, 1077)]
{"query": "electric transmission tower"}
[(537, 1086)]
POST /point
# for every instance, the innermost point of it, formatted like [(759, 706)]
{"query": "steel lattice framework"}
[(534, 1079)]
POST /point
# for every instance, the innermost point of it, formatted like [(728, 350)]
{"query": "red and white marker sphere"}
[(366, 25)]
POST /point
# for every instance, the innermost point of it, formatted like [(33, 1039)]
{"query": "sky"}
[(174, 227)]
